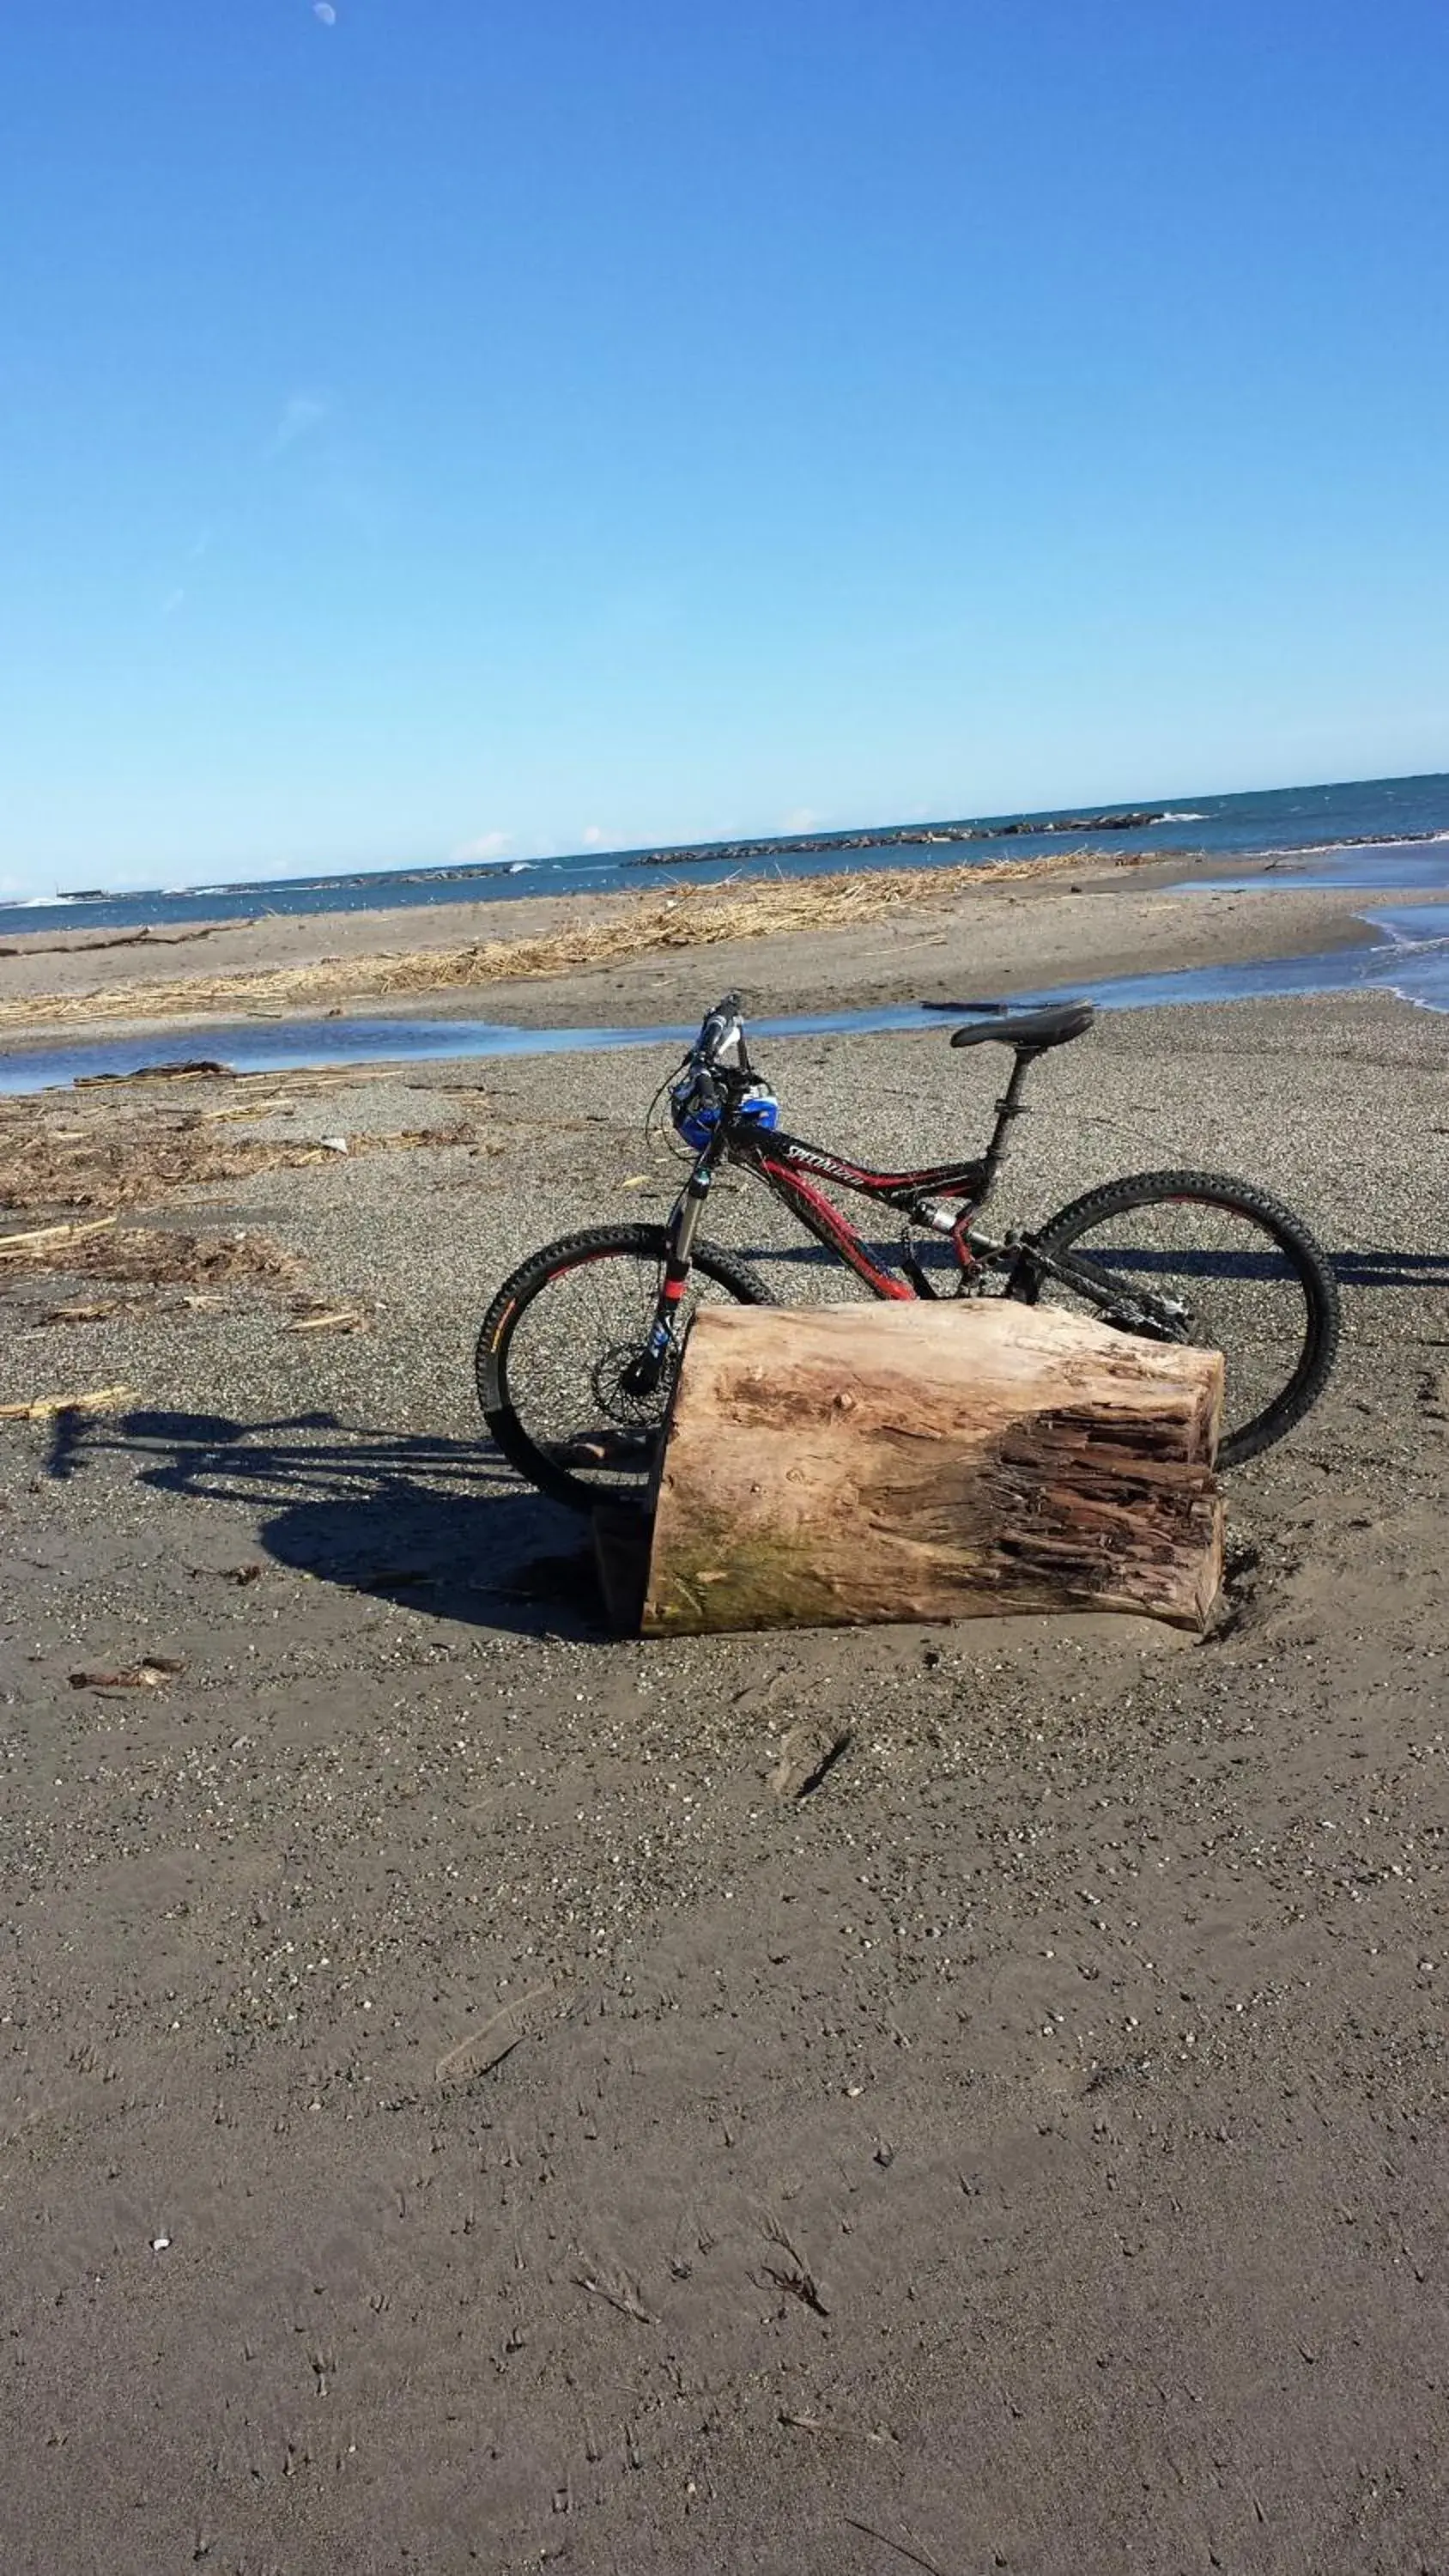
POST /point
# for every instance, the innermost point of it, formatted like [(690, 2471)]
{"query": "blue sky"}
[(508, 424)]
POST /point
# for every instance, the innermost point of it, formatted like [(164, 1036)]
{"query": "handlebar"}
[(715, 1090), (721, 1040), (714, 1075)]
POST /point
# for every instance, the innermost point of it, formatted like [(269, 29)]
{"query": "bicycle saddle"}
[(1031, 1029)]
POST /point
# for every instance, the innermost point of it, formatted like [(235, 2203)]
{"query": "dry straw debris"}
[(46, 1408), (327, 1319), (157, 1256), (107, 1149), (147, 1256), (684, 916), (153, 1672), (72, 1164)]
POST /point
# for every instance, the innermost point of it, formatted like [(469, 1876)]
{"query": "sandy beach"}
[(452, 2113), (806, 944)]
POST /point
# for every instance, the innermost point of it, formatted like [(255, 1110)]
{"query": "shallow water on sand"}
[(1399, 867), (1411, 960)]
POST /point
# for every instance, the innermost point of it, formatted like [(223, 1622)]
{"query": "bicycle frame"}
[(629, 1339), (791, 1170)]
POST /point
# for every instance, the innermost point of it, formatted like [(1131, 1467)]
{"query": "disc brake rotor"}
[(612, 1394)]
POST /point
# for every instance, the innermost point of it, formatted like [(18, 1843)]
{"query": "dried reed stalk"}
[(106, 1153), (684, 917)]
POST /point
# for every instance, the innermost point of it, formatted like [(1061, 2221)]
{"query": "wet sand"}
[(451, 2114)]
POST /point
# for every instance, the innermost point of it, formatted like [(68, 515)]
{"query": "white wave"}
[(1409, 943), (1349, 841), (1184, 818), (1427, 992)]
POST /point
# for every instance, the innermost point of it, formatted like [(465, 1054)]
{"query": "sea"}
[(1367, 832)]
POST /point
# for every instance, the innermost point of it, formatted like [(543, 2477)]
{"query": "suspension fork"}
[(642, 1376), (684, 1226)]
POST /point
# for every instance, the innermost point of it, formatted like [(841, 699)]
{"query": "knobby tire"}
[(645, 1243), (1304, 1256)]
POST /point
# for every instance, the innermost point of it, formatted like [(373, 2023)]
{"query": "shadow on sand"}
[(441, 1526), (1367, 1267)]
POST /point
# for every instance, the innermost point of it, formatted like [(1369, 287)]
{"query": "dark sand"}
[(452, 2115)]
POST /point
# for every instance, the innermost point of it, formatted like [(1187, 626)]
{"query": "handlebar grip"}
[(716, 1026)]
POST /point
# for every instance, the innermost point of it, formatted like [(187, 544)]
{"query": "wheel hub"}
[(617, 1392)]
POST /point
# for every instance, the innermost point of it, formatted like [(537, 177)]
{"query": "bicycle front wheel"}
[(556, 1347), (1190, 1257)]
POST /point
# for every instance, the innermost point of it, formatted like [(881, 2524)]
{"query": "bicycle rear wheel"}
[(555, 1346), (1211, 1261)]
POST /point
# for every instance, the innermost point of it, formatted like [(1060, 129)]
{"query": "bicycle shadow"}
[(1364, 1267), (1369, 1268), (436, 1525)]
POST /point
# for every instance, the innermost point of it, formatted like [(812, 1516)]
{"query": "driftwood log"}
[(843, 1464)]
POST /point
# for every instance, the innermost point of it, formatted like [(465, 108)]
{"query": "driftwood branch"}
[(147, 938)]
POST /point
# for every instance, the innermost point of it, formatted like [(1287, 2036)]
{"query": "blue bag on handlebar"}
[(696, 1118), (759, 1106), (696, 1124), (694, 1109)]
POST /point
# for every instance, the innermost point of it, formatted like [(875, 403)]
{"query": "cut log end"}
[(830, 1466)]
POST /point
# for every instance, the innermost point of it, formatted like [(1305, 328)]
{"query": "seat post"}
[(1007, 1108)]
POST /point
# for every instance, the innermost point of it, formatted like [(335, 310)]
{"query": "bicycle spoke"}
[(569, 1358), (1188, 1270)]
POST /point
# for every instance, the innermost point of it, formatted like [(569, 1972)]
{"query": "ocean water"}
[(1409, 958), (1395, 831)]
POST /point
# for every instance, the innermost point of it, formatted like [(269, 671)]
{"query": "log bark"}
[(833, 1465)]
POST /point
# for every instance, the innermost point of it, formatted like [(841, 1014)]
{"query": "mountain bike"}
[(580, 1349)]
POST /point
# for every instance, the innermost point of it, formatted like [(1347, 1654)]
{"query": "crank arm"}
[(1161, 1319)]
